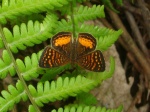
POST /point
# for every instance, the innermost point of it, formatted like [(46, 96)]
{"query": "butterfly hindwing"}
[(93, 61), (52, 58)]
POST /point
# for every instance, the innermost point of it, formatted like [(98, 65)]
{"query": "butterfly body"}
[(65, 49)]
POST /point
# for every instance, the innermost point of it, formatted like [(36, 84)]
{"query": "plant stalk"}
[(17, 70)]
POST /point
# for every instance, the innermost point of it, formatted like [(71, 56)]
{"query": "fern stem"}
[(72, 18), (17, 70)]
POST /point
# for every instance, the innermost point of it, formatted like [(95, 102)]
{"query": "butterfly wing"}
[(52, 58), (62, 42), (85, 44), (93, 61)]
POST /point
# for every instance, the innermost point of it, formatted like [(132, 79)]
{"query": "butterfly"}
[(80, 51)]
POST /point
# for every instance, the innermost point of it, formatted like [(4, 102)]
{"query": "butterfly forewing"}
[(93, 61), (62, 42), (52, 58), (86, 43)]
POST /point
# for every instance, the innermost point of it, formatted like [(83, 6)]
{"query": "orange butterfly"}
[(65, 49)]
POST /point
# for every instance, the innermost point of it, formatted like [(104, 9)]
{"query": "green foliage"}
[(12, 96), (6, 65), (85, 13), (107, 40), (13, 9), (30, 34), (51, 73), (29, 68), (60, 89), (48, 85), (80, 108)]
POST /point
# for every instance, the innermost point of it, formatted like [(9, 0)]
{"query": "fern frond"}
[(12, 96), (29, 68), (33, 33), (84, 13), (6, 65), (11, 9), (51, 73), (63, 25), (81, 14), (80, 108), (96, 31), (104, 42), (60, 89)]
